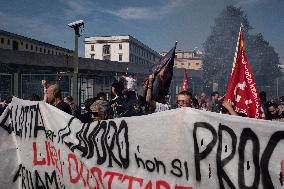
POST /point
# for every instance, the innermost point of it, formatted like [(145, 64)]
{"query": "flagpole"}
[(237, 49)]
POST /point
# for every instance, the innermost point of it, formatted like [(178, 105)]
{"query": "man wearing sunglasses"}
[(184, 99), (99, 110)]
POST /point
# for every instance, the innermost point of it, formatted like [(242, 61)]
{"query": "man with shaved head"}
[(53, 97)]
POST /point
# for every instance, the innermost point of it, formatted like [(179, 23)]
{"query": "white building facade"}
[(123, 48)]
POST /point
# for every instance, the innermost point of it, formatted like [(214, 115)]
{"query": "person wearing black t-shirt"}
[(117, 88), (53, 97)]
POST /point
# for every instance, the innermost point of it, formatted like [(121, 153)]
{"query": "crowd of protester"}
[(126, 102)]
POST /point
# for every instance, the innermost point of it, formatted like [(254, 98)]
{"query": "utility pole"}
[(74, 81)]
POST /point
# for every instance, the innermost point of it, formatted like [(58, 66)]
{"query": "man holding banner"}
[(43, 147)]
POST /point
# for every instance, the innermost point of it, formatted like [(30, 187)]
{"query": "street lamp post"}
[(74, 82)]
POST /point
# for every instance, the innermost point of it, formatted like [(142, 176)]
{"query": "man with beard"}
[(273, 112), (53, 97)]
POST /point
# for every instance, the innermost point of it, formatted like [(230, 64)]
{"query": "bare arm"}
[(149, 93), (229, 107), (43, 84), (113, 91)]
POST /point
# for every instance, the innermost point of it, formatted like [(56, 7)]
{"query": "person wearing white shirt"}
[(131, 82), (131, 85)]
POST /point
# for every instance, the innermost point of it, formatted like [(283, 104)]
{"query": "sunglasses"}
[(183, 102), (96, 114)]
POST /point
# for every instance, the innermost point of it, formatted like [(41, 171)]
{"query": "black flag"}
[(163, 72)]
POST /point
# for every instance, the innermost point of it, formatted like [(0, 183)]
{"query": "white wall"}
[(114, 42)]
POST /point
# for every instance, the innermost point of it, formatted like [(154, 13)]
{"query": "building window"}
[(36, 48), (120, 57), (15, 45), (92, 48), (106, 49), (40, 49), (120, 46), (48, 51), (32, 47), (8, 42), (2, 40), (44, 50), (22, 43), (197, 63), (27, 46), (106, 52)]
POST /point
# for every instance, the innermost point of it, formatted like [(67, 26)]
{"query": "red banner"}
[(185, 83), (242, 92)]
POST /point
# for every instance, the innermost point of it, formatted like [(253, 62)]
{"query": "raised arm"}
[(229, 107), (149, 93), (43, 84)]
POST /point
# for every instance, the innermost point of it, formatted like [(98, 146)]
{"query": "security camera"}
[(77, 24)]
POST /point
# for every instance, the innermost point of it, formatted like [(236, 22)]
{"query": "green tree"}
[(220, 49), (263, 59)]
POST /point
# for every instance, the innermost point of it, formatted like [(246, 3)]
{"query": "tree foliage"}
[(263, 59), (220, 49)]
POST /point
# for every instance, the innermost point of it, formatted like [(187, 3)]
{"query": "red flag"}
[(184, 86), (242, 92)]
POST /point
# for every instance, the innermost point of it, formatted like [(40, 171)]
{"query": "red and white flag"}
[(185, 83), (242, 92)]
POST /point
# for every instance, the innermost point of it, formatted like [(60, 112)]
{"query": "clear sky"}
[(157, 23)]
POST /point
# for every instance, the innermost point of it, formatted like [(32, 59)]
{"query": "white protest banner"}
[(42, 147)]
